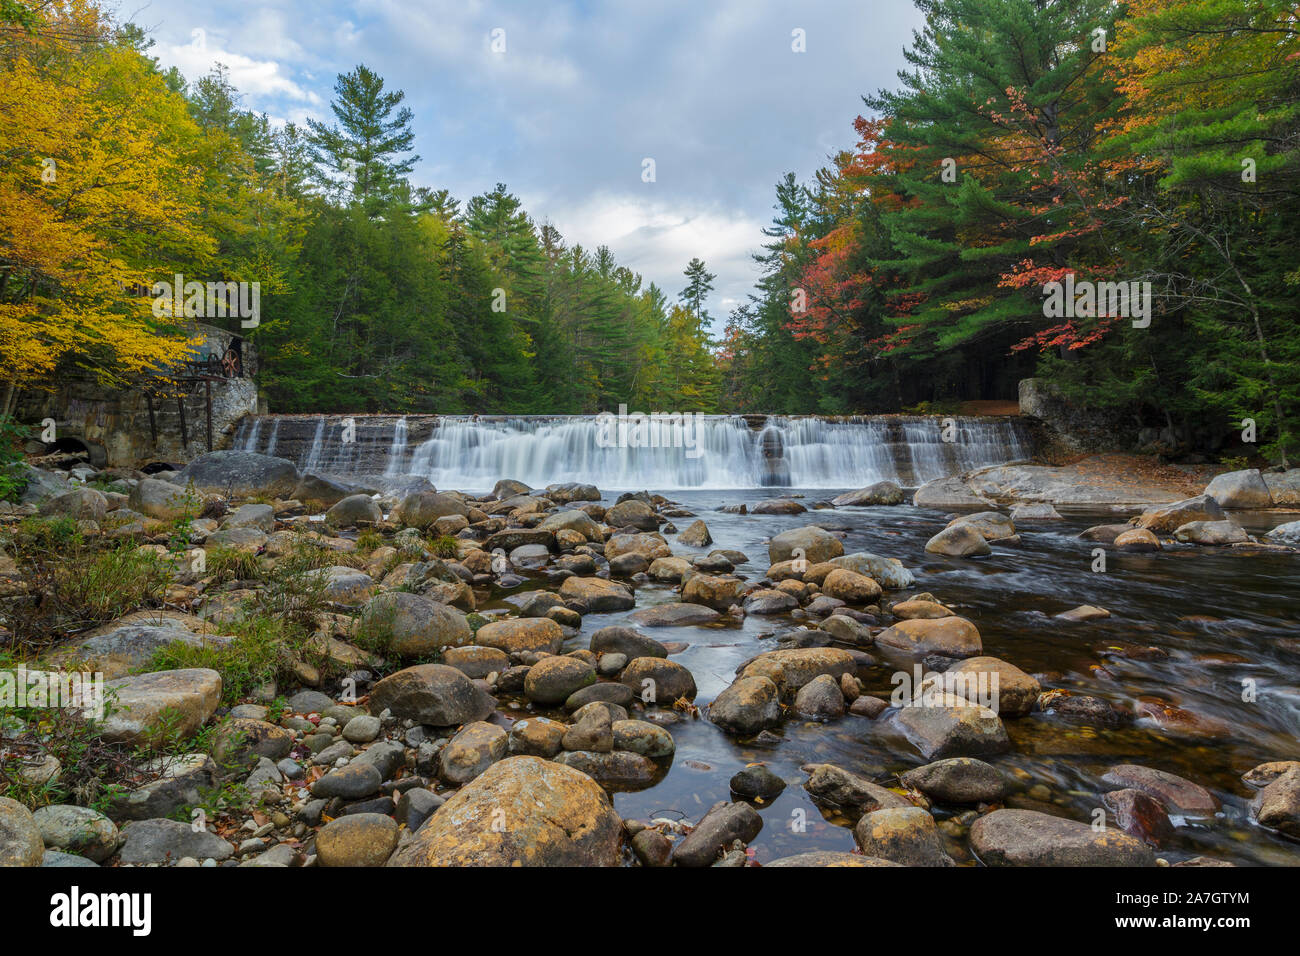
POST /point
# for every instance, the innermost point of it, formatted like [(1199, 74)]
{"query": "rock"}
[(1211, 532), (476, 662), (628, 641), (421, 509), (319, 491), (167, 841), (240, 474), (793, 668), (56, 858), (521, 811), (182, 781), (160, 499), (1288, 533), (757, 782), (412, 625), (669, 569), (118, 650), (552, 679), (1104, 533), (748, 705), (20, 836), (716, 592), (959, 780), (310, 702), (1266, 773), (508, 488), (992, 525), (597, 594), (521, 635), (828, 783), (851, 587), (79, 830), (652, 848), (1284, 488), (632, 513), (673, 615), (959, 541), (1003, 688), (828, 858), (657, 680), (593, 732), (151, 709), (1083, 613), (889, 573), (820, 699), (949, 636), (696, 535), (947, 494), (1242, 490), (84, 504), (1137, 539), (258, 517), (1277, 806), (768, 601), (415, 806), (1036, 511), (847, 630), (352, 511), (475, 748), (1080, 708), (239, 741), (906, 835), (1163, 519), (814, 544), (720, 827), (640, 737), (359, 839), (572, 520), (867, 706), (1176, 793), (350, 782), (345, 585), (602, 692), (537, 737), (431, 694), (1030, 838), (616, 770), (568, 492), (362, 729), (1139, 815), (1180, 722), (240, 540), (880, 493), (951, 726), (919, 610)]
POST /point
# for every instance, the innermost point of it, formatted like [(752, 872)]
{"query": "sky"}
[(564, 101)]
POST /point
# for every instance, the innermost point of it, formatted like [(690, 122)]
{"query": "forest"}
[(1154, 141)]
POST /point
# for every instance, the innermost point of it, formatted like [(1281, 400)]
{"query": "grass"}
[(444, 546)]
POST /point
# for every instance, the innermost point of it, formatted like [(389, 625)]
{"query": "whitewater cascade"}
[(470, 453)]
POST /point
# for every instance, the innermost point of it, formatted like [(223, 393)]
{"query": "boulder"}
[(160, 499), (906, 835), (571, 520), (627, 641), (1164, 519), (615, 770), (696, 535), (951, 726), (830, 784), (657, 680), (851, 587), (947, 494), (889, 573), (118, 650), (83, 504), (476, 662), (476, 747), (320, 492), (1177, 794), (421, 509), (521, 811), (358, 839), (432, 694), (814, 545), (720, 827), (1224, 532), (552, 679), (240, 474), (949, 636), (778, 506), (1288, 534), (1242, 490), (1284, 488), (168, 841), (959, 780), (158, 708), (597, 594), (632, 513), (880, 493), (1277, 806), (519, 635), (674, 615), (959, 541), (1013, 692), (567, 492), (412, 625), (747, 706), (652, 546), (792, 668), (820, 699), (719, 593), (20, 836), (352, 511), (1137, 539), (78, 830), (1030, 838)]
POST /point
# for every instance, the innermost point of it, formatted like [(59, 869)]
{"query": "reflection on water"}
[(1223, 617)]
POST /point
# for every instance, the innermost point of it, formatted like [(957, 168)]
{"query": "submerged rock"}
[(1030, 838)]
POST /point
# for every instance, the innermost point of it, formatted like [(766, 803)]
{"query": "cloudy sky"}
[(582, 94)]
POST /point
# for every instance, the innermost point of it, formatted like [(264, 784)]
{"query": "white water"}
[(722, 452)]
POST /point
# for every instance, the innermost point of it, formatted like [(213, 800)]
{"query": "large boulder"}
[(959, 780), (118, 650), (880, 493), (354, 510), (959, 541), (791, 668), (632, 513), (521, 811), (423, 508), (573, 520), (1030, 838), (1011, 692), (1225, 532), (412, 625), (747, 706), (949, 636), (552, 679), (240, 474), (851, 587), (906, 835), (432, 694), (712, 591), (1284, 488), (155, 709), (1165, 519), (1243, 490), (992, 525), (84, 504), (519, 635), (675, 614), (319, 491), (658, 680), (597, 594), (160, 499), (947, 494), (814, 545)]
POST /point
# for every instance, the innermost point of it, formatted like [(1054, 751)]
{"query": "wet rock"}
[(632, 513), (880, 493), (1137, 539), (851, 587), (1266, 773), (476, 747), (675, 615), (1035, 511), (950, 636), (778, 506), (868, 706), (594, 732), (959, 780), (605, 691), (1176, 793), (906, 835), (359, 839), (792, 669), (919, 610), (537, 737), (650, 544), (769, 601), (1003, 688), (627, 641), (757, 782), (475, 661), (597, 594), (1179, 721), (150, 709), (720, 827), (1081, 708), (1163, 519), (20, 836), (629, 565), (951, 726), (959, 541), (1104, 533), (640, 737), (1287, 534), (1029, 838), (718, 593), (414, 625), (1211, 533), (520, 635), (889, 573), (991, 525), (1243, 490), (669, 569), (815, 544), (1083, 613), (167, 841), (571, 520), (828, 858), (1277, 806), (616, 770), (652, 848), (748, 705), (431, 694), (654, 679), (820, 699), (696, 535), (552, 679), (834, 785), (1139, 815), (521, 811)]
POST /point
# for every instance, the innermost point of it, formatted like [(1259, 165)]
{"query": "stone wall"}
[(1070, 427)]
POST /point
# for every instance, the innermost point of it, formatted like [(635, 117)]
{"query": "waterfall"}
[(717, 451)]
